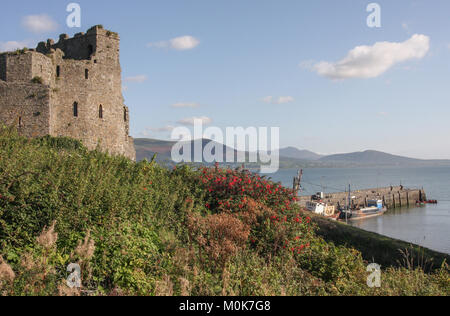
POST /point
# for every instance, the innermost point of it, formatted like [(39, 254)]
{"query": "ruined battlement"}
[(94, 45), (81, 77), (82, 46)]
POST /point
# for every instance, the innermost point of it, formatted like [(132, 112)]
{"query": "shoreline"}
[(381, 249)]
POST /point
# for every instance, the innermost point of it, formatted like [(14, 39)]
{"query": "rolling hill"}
[(147, 148), (378, 158), (292, 157), (292, 152)]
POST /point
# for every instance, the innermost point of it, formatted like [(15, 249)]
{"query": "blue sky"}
[(229, 57)]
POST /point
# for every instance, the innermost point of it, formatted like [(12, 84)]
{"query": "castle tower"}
[(70, 88)]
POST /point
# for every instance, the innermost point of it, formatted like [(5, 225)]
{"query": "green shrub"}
[(141, 229), (38, 80)]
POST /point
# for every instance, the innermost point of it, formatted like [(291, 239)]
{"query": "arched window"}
[(75, 109), (125, 114), (86, 73), (100, 111)]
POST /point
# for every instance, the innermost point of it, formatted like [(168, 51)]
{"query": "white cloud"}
[(150, 131), (186, 105), (167, 128), (268, 99), (184, 43), (373, 61), (279, 100), (136, 79), (190, 120), (39, 23), (282, 100), (163, 129), (12, 45), (180, 43)]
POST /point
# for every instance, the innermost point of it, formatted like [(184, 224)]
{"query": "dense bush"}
[(140, 229), (38, 80)]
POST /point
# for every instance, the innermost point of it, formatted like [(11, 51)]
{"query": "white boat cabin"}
[(316, 207)]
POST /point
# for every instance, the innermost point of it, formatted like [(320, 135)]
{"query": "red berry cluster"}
[(230, 189)]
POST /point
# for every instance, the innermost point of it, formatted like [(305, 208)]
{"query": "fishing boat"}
[(374, 208), (321, 208), (315, 207)]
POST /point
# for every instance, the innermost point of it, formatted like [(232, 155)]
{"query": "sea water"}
[(428, 226)]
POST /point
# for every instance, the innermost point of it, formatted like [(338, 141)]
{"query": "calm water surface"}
[(428, 226)]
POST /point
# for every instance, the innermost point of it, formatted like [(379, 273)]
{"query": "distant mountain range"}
[(371, 157), (292, 157), (292, 152), (147, 148)]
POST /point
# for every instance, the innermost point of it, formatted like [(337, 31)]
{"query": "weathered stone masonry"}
[(70, 88)]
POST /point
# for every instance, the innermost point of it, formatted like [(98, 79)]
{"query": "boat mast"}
[(349, 203), (298, 182)]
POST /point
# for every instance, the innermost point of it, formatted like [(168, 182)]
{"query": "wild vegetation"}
[(141, 229), (38, 80)]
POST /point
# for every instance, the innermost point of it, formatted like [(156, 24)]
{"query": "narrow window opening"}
[(86, 73), (125, 114), (100, 111), (75, 109), (20, 122), (58, 71)]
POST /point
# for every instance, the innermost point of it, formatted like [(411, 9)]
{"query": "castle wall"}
[(26, 106), (100, 89), (18, 67), (79, 47), (103, 87), (24, 66), (42, 67), (3, 67), (84, 70)]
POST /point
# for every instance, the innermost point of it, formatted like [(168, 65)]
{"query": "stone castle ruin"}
[(71, 88)]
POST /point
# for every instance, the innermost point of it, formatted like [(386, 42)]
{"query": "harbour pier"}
[(393, 197)]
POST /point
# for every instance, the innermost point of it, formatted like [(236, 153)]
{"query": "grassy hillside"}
[(374, 247), (141, 229)]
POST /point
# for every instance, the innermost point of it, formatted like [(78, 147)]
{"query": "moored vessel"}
[(374, 208)]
